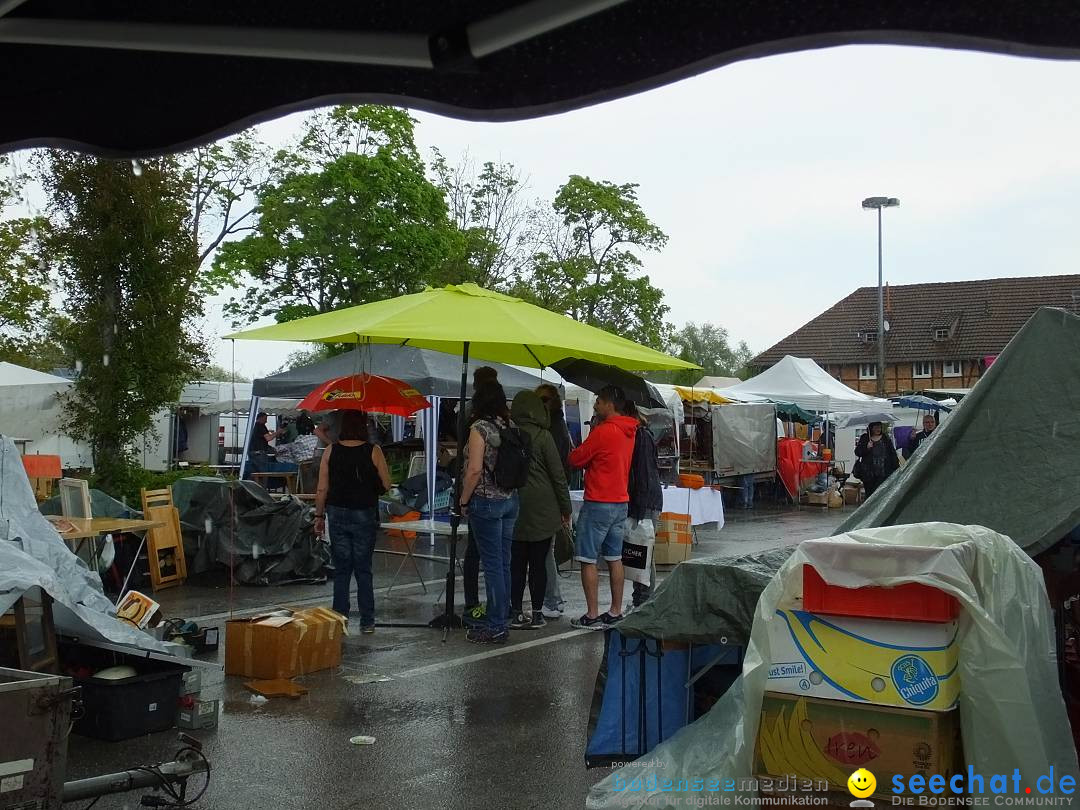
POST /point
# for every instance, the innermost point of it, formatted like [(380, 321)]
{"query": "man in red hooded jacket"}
[(605, 456)]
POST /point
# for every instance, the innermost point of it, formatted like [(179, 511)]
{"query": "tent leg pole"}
[(455, 507)]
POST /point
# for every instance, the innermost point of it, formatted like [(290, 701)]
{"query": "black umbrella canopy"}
[(131, 78), (593, 376)]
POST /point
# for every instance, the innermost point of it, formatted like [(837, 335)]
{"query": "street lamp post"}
[(879, 203)]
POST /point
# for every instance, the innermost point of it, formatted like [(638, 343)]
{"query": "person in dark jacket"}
[(877, 457), (549, 395), (644, 488), (544, 510), (929, 424)]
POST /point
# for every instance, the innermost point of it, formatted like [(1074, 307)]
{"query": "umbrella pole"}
[(449, 618)]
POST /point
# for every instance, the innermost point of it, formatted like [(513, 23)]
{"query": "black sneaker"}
[(538, 620), (585, 623), (482, 635), (609, 620), (520, 622)]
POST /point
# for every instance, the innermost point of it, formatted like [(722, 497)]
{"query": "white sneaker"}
[(551, 613)]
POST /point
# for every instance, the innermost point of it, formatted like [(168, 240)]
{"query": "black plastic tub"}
[(130, 707)]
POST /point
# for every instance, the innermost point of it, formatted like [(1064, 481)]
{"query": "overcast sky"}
[(756, 172)]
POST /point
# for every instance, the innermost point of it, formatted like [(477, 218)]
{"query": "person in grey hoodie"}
[(544, 510)]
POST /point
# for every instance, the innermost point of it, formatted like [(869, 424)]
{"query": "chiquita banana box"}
[(888, 663)]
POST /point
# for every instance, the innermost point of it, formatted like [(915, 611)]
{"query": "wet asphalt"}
[(456, 725)]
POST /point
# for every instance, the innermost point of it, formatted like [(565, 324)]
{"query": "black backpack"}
[(512, 458)]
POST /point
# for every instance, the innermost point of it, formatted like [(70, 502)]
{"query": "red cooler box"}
[(911, 602)]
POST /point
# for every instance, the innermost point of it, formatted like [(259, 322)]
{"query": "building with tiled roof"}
[(941, 335)]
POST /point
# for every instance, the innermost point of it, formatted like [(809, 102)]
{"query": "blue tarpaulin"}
[(645, 693)]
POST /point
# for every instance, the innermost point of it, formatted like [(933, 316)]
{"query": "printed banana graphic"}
[(818, 760), (854, 665), (787, 747)]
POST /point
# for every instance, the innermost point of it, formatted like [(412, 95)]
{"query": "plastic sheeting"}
[(744, 439), (261, 538), (1011, 709), (1009, 456), (33, 554)]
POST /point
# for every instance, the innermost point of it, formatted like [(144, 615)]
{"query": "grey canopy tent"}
[(434, 374), (429, 372)]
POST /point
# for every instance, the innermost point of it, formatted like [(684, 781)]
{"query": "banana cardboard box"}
[(888, 663), (825, 740)]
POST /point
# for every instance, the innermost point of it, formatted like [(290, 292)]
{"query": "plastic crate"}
[(129, 707), (442, 500), (912, 601)]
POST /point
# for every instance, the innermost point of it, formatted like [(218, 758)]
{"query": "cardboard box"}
[(887, 663), (284, 646), (670, 553), (816, 498), (825, 740), (673, 528), (851, 494), (201, 714)]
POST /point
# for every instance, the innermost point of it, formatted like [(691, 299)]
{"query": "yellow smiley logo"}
[(861, 783)]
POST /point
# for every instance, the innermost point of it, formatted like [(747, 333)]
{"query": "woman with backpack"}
[(490, 508), (544, 510)]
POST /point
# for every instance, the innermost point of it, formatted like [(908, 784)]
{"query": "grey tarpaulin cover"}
[(261, 538), (1009, 456), (709, 600), (33, 554), (744, 438), (1012, 713)]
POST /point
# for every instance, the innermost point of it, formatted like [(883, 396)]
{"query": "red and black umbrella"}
[(366, 392)]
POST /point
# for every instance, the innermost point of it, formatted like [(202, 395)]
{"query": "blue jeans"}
[(491, 522), (600, 531), (352, 545)]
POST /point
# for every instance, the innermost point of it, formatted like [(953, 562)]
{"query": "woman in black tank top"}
[(352, 476)]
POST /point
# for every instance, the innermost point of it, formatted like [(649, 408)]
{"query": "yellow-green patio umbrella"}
[(493, 326), (477, 322)]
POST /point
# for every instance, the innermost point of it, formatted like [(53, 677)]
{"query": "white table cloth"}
[(703, 505)]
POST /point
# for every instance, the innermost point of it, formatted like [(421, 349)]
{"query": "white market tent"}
[(801, 381), (31, 409)]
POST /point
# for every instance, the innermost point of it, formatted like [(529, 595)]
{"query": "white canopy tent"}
[(31, 409), (801, 381)]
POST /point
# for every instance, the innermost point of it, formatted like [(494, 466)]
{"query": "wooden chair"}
[(164, 546)]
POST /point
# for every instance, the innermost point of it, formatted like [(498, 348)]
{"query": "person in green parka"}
[(544, 509)]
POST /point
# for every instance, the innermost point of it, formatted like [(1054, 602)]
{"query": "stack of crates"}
[(860, 678), (193, 712), (673, 539)]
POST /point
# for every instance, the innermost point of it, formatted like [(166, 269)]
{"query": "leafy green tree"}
[(348, 217), (46, 347), (488, 205), (708, 346), (128, 263), (216, 373), (588, 264), (24, 277)]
